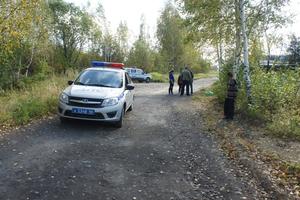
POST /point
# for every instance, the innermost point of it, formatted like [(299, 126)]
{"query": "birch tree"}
[(245, 49)]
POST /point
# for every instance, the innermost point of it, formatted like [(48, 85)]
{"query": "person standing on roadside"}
[(180, 83), (192, 79), (171, 81), (232, 90), (186, 79)]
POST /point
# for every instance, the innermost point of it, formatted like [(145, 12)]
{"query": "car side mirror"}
[(70, 82), (129, 87)]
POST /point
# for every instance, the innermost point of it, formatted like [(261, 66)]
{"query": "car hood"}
[(92, 91)]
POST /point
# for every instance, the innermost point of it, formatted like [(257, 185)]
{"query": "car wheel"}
[(119, 123), (62, 120), (147, 80)]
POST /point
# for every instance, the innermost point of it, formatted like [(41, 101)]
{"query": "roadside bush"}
[(35, 100), (24, 111), (286, 122), (158, 77), (220, 87), (275, 98), (273, 91)]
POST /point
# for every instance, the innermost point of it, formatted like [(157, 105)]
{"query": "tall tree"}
[(141, 53), (71, 27), (210, 22), (122, 39), (171, 36)]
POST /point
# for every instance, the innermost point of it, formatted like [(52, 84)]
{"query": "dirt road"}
[(160, 153)]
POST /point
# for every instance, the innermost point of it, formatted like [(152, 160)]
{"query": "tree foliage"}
[(170, 34), (222, 23), (175, 48), (141, 54), (21, 30), (294, 50), (40, 37), (71, 29)]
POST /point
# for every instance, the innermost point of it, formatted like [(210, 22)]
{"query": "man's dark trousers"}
[(186, 84), (191, 86)]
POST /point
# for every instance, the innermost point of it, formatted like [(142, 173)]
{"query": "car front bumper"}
[(109, 114)]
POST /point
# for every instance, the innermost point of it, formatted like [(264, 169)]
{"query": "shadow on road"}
[(82, 126)]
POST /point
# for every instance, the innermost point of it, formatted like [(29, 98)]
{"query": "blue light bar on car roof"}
[(106, 64)]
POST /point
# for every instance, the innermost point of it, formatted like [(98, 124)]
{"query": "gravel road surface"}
[(160, 154)]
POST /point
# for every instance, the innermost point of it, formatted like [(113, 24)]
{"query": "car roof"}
[(132, 68), (106, 69)]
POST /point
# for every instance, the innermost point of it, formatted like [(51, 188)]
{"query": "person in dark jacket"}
[(180, 83), (171, 81), (230, 99), (186, 78)]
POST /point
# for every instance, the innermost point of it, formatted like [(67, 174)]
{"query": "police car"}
[(103, 92)]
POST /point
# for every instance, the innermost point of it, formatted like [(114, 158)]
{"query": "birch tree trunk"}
[(30, 61), (237, 51), (245, 50), (220, 57)]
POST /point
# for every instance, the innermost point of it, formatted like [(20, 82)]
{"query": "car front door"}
[(139, 75), (133, 73), (128, 93)]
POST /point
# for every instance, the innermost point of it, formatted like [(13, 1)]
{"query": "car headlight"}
[(110, 102), (64, 98)]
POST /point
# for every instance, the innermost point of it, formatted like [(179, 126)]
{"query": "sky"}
[(132, 10), (129, 11)]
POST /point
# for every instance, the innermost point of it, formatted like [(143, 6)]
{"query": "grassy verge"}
[(164, 78), (210, 74), (245, 139), (159, 77), (34, 101)]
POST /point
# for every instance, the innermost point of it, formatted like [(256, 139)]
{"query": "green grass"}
[(36, 100), (159, 77), (210, 74)]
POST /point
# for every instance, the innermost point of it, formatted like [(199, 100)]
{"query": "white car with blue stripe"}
[(103, 92)]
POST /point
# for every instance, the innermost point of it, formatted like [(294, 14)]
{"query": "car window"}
[(139, 71), (128, 79), (133, 71), (113, 79), (128, 70)]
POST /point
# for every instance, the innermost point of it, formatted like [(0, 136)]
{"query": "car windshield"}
[(100, 78)]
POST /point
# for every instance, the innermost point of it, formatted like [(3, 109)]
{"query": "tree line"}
[(39, 37)]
